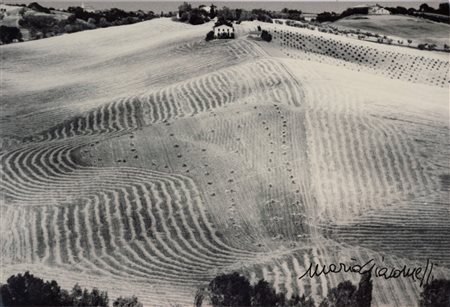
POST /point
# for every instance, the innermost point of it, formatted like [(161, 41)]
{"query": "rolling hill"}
[(419, 30), (143, 160)]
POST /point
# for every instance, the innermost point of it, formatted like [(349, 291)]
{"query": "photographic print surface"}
[(176, 154)]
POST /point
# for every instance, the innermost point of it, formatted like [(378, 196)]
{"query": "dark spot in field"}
[(176, 145), (445, 182), (179, 155)]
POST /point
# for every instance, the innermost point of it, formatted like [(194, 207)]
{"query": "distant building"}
[(378, 10), (223, 31), (372, 9)]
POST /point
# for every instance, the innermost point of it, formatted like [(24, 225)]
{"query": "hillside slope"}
[(143, 160), (419, 30)]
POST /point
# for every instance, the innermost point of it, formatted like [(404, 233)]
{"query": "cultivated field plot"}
[(149, 160)]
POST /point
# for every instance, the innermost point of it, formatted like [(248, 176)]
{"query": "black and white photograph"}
[(224, 153)]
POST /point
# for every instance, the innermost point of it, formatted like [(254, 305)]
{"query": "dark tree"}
[(327, 16), (444, 9), (212, 12), (436, 294), (300, 301), (266, 36), (38, 23), (85, 298), (209, 36), (27, 290), (426, 8), (9, 34), (263, 294), (341, 296), (185, 7), (127, 302), (363, 296), (230, 290), (197, 17), (226, 13)]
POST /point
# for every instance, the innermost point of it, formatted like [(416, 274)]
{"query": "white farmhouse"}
[(224, 31), (373, 9), (378, 10)]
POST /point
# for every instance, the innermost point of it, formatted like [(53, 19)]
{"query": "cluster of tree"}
[(28, 290), (240, 15), (9, 34), (436, 294), (235, 290), (111, 17), (441, 14), (443, 9), (186, 13), (195, 16), (49, 24), (266, 36), (291, 14)]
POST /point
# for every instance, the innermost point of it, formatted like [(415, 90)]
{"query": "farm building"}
[(378, 10), (224, 31), (371, 9)]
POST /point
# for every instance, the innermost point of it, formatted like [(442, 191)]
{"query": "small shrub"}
[(9, 34), (266, 36), (209, 36)]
